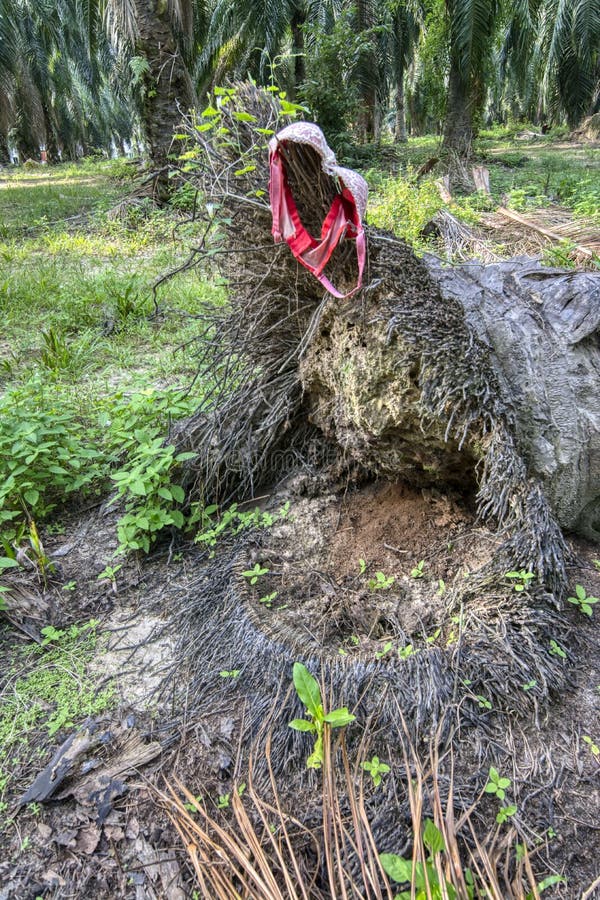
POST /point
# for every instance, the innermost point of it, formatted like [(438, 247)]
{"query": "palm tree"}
[(407, 22), (159, 39), (471, 28)]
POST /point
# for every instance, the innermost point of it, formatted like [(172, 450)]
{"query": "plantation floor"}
[(83, 338)]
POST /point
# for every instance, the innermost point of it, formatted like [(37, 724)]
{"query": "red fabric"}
[(342, 221)]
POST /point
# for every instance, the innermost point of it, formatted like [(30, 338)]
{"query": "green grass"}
[(91, 284), (91, 376), (83, 345), (46, 689), (525, 176)]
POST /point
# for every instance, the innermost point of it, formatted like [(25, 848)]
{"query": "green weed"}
[(308, 690), (520, 579), (49, 689), (424, 877), (582, 601), (376, 769)]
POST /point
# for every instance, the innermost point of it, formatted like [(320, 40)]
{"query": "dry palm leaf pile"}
[(387, 448)]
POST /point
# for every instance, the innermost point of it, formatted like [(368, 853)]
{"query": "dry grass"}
[(259, 851)]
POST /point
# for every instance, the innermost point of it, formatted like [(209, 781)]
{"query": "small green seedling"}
[(191, 807), (308, 690), (441, 587), (376, 769), (433, 637), (267, 600), (582, 601), (597, 564), (497, 785), (223, 801), (483, 702), (425, 878), (550, 881), (232, 673), (504, 813), (557, 650), (109, 574), (593, 747), (254, 574), (530, 685), (362, 566), (381, 582), (69, 586), (384, 650), (418, 572), (405, 652), (521, 579)]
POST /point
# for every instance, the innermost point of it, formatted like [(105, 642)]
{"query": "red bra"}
[(342, 221)]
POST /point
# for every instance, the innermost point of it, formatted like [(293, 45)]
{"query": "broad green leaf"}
[(398, 868), (307, 688), (32, 496), (302, 725), (338, 718), (7, 563), (244, 117), (178, 519), (432, 838), (178, 493)]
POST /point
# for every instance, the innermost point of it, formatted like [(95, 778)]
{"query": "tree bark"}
[(400, 128), (168, 89), (5, 159), (458, 127), (367, 80), (298, 21), (52, 153)]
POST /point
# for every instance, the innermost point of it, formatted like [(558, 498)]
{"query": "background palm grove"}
[(76, 76)]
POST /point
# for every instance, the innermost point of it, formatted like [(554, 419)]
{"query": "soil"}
[(74, 845)]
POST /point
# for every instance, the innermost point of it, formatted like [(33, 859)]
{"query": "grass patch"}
[(525, 177), (48, 688), (91, 372)]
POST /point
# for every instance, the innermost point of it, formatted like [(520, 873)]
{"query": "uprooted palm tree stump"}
[(478, 381)]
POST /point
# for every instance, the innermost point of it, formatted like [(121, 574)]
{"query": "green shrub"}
[(405, 206), (152, 497), (45, 455)]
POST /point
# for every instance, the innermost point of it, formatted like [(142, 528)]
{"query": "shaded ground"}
[(120, 843)]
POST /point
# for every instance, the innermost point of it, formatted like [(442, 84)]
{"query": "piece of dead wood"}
[(61, 765), (133, 754), (443, 186), (159, 864), (540, 229), (100, 787), (481, 178)]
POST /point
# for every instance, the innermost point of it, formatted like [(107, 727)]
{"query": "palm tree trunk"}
[(367, 87), (400, 127), (5, 159), (52, 153), (458, 127), (298, 21), (168, 86)]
